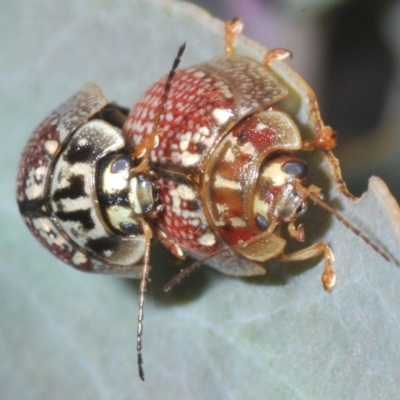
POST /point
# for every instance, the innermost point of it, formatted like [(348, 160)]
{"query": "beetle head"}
[(277, 199), (125, 196)]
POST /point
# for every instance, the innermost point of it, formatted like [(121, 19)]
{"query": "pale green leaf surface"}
[(69, 335)]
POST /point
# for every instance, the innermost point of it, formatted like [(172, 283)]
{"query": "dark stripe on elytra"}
[(76, 153), (82, 216), (74, 190), (102, 244), (32, 208)]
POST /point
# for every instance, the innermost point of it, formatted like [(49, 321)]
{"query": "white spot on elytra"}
[(180, 194), (184, 192), (82, 142), (189, 159), (185, 140), (149, 127), (47, 230), (35, 182), (221, 208), (237, 222), (248, 148), (229, 156), (208, 239), (261, 126), (199, 74), (194, 222), (204, 131), (222, 115), (196, 138), (79, 258), (50, 147), (221, 182)]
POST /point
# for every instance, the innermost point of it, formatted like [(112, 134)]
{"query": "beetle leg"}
[(336, 173), (328, 277), (296, 232), (275, 54), (233, 28), (325, 140)]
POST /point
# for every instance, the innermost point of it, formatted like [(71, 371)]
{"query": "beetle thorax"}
[(126, 197)]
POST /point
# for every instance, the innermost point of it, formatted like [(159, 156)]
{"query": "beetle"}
[(58, 192), (228, 173), (85, 196), (206, 162)]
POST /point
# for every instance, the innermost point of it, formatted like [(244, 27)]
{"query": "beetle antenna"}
[(144, 148), (148, 233), (143, 151), (314, 194), (188, 271)]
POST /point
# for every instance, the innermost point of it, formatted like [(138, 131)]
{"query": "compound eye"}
[(295, 167), (129, 228), (145, 192), (262, 223), (120, 164)]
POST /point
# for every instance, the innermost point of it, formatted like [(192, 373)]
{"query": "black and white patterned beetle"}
[(78, 191), (85, 195)]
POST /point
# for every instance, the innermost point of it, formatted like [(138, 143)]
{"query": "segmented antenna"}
[(142, 290), (313, 194), (188, 271), (146, 148), (146, 145)]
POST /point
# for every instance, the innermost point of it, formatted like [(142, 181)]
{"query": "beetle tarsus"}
[(233, 28), (276, 54), (325, 140)]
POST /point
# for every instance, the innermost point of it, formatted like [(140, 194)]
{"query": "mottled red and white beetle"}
[(204, 162)]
